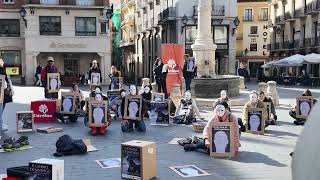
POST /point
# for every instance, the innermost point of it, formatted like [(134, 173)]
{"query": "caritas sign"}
[(43, 111)]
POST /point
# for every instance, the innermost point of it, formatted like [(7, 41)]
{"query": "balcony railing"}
[(279, 20), (289, 17), (247, 18), (288, 45), (312, 7), (217, 10), (68, 2), (167, 14), (299, 13)]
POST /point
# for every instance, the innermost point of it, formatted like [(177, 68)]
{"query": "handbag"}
[(8, 90)]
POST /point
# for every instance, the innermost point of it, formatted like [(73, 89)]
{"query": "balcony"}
[(247, 18), (54, 3), (311, 8), (168, 14), (279, 20), (299, 13), (218, 10), (288, 17), (126, 43), (288, 45)]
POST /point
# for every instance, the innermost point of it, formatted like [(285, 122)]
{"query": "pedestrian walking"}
[(49, 68), (160, 74), (38, 75)]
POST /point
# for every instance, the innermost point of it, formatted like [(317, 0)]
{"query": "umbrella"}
[(312, 58), (295, 60), (269, 64)]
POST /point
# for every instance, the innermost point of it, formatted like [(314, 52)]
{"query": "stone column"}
[(241, 84), (31, 64), (204, 48), (105, 67), (263, 87), (272, 92)]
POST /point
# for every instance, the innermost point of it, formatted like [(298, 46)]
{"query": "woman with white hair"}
[(95, 69)]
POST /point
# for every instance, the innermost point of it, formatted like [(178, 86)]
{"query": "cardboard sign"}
[(116, 83), (159, 113), (268, 106), (133, 107), (98, 113), (304, 106), (2, 81), (53, 82), (255, 123), (43, 110), (113, 94), (68, 103), (189, 171), (221, 139), (25, 122), (191, 64), (49, 130), (95, 79), (158, 97), (109, 163), (12, 71), (49, 169)]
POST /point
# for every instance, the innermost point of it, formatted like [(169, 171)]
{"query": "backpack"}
[(67, 146)]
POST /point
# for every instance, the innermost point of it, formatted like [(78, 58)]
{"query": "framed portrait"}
[(25, 122), (255, 123), (268, 106), (53, 82), (116, 83), (98, 113), (304, 106), (158, 97), (133, 107), (68, 103), (95, 79), (159, 113), (189, 171), (2, 81), (113, 94), (131, 162), (220, 137), (191, 64)]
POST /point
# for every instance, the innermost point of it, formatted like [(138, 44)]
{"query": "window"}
[(220, 34), (248, 15), (9, 27), (253, 47), (11, 57), (191, 34), (157, 2), (85, 26), (264, 14), (50, 25), (254, 30), (8, 1), (103, 26)]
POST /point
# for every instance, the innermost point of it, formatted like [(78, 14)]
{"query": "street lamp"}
[(23, 14), (236, 23), (184, 21)]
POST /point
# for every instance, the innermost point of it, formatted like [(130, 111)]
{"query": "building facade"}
[(253, 35), (175, 21), (73, 32), (295, 30)]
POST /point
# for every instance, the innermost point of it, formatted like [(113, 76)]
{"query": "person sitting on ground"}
[(114, 104), (98, 90), (221, 114), (273, 117), (186, 110), (223, 97), (127, 124), (293, 114), (146, 95), (254, 102)]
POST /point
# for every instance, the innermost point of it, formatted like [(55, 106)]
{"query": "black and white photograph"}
[(95, 79), (268, 106), (53, 84), (159, 113), (133, 107), (109, 163), (189, 171), (2, 81), (255, 122), (98, 113), (158, 97), (131, 166), (68, 102), (40, 171), (304, 106), (221, 139), (25, 122), (191, 64), (116, 83), (113, 94)]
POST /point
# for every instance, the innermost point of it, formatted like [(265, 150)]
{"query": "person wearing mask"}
[(113, 73), (95, 69), (160, 73), (188, 75), (8, 93), (49, 68), (38, 75), (221, 114), (147, 95), (127, 125), (273, 117), (115, 104), (223, 97)]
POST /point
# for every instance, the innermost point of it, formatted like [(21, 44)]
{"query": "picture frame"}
[(95, 79), (255, 123), (131, 156), (25, 121), (53, 82), (98, 113), (2, 81), (159, 113), (304, 106), (116, 83), (158, 97), (109, 163), (113, 94), (221, 139), (268, 107), (133, 107), (191, 64), (194, 169), (68, 103)]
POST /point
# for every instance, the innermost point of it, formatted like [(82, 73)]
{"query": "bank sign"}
[(43, 111)]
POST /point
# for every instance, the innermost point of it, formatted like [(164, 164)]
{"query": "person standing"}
[(113, 73), (38, 75), (95, 69), (160, 74), (188, 75), (49, 68), (8, 93)]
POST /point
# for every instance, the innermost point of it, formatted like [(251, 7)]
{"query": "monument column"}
[(204, 48)]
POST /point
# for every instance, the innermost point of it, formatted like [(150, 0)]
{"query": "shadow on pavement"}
[(255, 157)]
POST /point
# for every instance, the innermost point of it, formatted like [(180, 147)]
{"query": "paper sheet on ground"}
[(189, 171), (175, 140), (109, 163), (90, 147)]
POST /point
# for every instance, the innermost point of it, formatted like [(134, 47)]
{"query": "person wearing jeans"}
[(160, 74), (187, 74)]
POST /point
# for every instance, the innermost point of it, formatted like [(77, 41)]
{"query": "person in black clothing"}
[(273, 117), (242, 71), (49, 68), (160, 74), (114, 73), (95, 69), (38, 75), (188, 75)]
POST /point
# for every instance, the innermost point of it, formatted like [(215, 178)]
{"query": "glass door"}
[(71, 69)]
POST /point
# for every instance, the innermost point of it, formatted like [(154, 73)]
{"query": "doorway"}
[(254, 67), (71, 69)]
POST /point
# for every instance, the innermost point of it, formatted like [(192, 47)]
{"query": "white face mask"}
[(123, 94), (187, 95), (98, 97), (253, 98), (223, 95), (97, 90), (220, 110), (133, 90), (146, 89)]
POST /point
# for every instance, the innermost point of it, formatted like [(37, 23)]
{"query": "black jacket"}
[(6, 98), (95, 70), (157, 71), (188, 74)]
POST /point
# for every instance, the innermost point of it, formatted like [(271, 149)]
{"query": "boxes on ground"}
[(50, 169), (138, 160)]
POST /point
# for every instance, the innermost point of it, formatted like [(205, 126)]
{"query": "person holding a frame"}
[(49, 68), (189, 70), (94, 69), (115, 103), (272, 114), (147, 96), (113, 73)]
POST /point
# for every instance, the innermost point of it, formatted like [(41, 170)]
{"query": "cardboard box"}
[(138, 160), (51, 169)]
